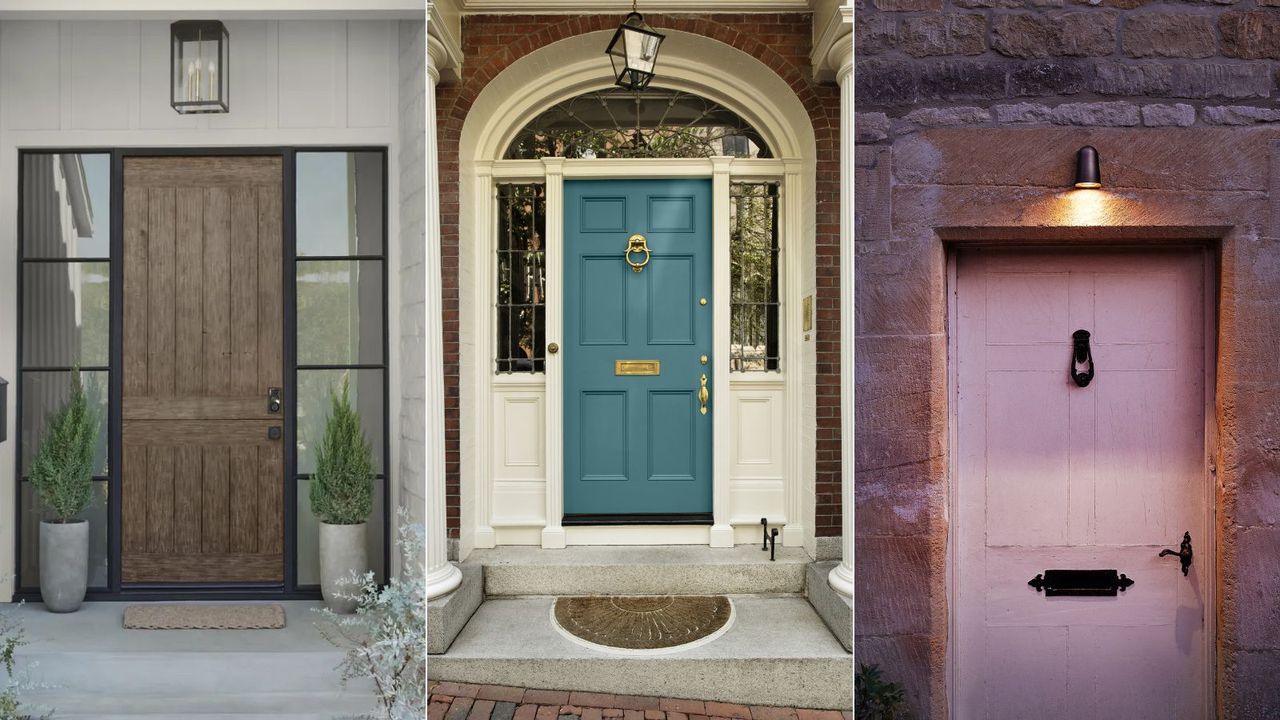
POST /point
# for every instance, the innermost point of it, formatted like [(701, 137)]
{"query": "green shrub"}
[(342, 486), (386, 640), (63, 468), (874, 698)]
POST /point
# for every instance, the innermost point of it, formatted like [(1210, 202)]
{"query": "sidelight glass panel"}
[(366, 394), (66, 205), (66, 318), (340, 208), (753, 277), (340, 312), (43, 394), (522, 278), (33, 513), (309, 535)]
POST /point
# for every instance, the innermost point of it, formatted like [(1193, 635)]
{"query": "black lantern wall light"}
[(634, 51), (1088, 175), (199, 66)]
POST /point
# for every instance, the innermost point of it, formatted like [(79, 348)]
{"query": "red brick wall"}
[(782, 42)]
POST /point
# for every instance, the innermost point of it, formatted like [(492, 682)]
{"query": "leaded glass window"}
[(753, 276), (522, 278), (651, 123)]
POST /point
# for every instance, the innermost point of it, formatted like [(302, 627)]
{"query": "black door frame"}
[(289, 589)]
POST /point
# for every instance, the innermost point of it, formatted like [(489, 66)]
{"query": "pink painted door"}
[(1051, 475)]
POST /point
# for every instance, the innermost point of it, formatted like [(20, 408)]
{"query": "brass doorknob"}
[(553, 348)]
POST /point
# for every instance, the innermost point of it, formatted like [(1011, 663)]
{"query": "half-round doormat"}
[(644, 624), (204, 617)]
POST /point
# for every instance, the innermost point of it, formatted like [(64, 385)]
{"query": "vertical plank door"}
[(1052, 476), (202, 474)]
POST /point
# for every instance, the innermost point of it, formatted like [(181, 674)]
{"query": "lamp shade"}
[(634, 52), (1088, 175)]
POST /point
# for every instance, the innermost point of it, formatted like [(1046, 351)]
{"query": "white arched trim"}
[(527, 87)]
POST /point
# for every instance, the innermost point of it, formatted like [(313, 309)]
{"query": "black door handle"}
[(1183, 553)]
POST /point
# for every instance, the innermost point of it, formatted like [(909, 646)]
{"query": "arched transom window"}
[(651, 123)]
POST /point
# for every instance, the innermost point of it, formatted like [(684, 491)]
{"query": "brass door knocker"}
[(636, 244)]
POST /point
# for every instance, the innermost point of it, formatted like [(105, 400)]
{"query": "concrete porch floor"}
[(98, 669)]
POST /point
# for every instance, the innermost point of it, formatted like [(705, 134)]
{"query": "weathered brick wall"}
[(969, 115), (780, 41)]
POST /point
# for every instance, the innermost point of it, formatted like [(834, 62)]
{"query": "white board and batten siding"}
[(518, 463), (335, 80), (1055, 476)]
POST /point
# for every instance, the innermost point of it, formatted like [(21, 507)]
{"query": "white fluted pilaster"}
[(442, 576), (841, 57)]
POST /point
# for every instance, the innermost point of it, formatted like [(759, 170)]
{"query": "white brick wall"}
[(412, 275)]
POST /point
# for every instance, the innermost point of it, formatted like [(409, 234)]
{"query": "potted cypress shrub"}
[(62, 473), (341, 498)]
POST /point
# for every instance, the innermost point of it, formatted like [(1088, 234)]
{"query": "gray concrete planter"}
[(342, 550), (64, 564)]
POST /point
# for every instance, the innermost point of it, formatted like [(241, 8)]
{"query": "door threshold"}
[(576, 519)]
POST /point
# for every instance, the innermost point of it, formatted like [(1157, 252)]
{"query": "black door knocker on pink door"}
[(1081, 354), (1183, 553)]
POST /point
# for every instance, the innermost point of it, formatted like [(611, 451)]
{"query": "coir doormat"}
[(203, 617), (650, 622)]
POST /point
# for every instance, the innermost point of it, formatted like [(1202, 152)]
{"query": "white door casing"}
[(518, 508), (1048, 475)]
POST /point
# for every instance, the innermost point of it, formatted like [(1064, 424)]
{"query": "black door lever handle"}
[(1183, 553)]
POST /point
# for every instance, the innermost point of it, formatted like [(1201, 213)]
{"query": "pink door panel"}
[(1055, 476)]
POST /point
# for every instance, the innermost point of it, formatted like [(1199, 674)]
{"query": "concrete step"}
[(777, 652), (327, 705), (93, 667), (640, 570)]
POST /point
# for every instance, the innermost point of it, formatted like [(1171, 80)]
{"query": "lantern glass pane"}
[(642, 50)]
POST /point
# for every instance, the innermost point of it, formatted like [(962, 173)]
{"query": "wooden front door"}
[(202, 475), (637, 348), (1052, 475)]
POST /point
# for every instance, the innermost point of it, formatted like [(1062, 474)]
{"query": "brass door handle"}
[(703, 394), (636, 244)]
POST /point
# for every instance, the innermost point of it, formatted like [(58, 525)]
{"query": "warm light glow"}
[(1088, 185)]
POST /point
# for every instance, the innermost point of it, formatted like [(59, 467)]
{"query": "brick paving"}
[(458, 701)]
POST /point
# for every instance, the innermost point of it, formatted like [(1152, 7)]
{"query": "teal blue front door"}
[(637, 348)]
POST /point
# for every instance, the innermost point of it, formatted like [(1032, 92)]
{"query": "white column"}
[(442, 576), (721, 530), (553, 534), (841, 57)]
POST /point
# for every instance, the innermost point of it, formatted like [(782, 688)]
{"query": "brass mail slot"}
[(637, 367)]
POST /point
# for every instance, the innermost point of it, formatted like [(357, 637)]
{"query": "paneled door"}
[(202, 475), (637, 344), (1060, 472)]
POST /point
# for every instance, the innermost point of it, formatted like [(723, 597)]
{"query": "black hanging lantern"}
[(199, 66), (634, 52), (1088, 175)]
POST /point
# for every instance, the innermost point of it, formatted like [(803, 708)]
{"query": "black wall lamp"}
[(199, 66), (1087, 173), (634, 51)]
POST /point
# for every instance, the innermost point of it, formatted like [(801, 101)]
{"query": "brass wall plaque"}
[(806, 312), (637, 367)]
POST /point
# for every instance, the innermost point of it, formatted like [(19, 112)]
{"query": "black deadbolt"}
[(273, 433), (1081, 354)]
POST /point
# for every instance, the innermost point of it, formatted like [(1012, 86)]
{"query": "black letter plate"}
[(1080, 582)]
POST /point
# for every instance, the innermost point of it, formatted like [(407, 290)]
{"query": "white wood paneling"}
[(84, 76), (100, 66), (313, 77), (30, 72), (517, 455), (369, 73), (255, 86)]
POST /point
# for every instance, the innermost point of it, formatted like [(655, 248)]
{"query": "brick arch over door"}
[(782, 42)]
